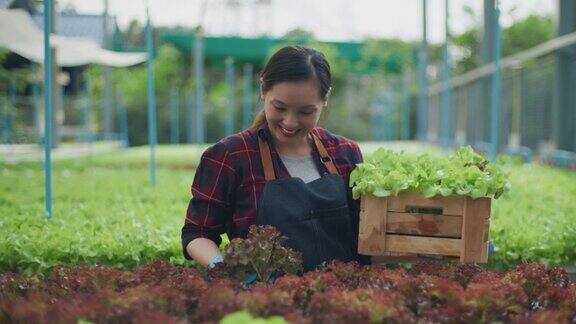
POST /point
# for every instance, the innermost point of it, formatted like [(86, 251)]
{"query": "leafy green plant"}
[(107, 213), (263, 253), (465, 172), (244, 317)]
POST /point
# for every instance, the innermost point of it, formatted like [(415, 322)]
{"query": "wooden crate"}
[(406, 227)]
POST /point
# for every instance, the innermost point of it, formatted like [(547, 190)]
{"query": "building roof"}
[(80, 25), (19, 34), (253, 50)]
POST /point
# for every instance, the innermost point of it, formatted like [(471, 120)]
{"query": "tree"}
[(520, 36), (387, 56), (527, 33)]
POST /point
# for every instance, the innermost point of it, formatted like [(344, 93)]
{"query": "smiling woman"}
[(283, 171)]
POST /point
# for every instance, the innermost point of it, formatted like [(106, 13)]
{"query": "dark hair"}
[(295, 63)]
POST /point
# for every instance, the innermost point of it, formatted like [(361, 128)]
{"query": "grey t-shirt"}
[(301, 167)]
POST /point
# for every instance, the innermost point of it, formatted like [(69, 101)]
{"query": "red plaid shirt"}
[(230, 179)]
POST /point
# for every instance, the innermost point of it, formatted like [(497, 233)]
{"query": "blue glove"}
[(250, 279), (491, 248), (215, 260)]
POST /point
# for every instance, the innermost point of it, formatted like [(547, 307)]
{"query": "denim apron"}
[(314, 216)]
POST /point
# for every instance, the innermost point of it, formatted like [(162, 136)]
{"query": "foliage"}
[(537, 219), (521, 35), (132, 83), (527, 33), (340, 293), (261, 252), (20, 76), (463, 173), (387, 56), (244, 317), (107, 213)]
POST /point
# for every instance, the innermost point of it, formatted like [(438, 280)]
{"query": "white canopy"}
[(19, 34)]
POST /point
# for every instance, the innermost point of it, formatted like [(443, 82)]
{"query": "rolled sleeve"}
[(210, 207)]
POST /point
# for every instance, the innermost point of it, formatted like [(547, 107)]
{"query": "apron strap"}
[(266, 157), (324, 156)]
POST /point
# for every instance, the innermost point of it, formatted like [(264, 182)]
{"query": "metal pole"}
[(406, 105), (35, 94), (487, 50), (190, 118), (11, 112), (422, 78), (3, 118), (123, 118), (514, 136), (229, 95), (87, 108), (564, 108), (48, 15), (495, 102), (446, 95), (247, 103), (174, 120), (106, 74), (199, 74), (390, 115), (378, 121), (151, 100)]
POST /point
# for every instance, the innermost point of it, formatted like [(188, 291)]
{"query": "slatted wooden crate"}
[(406, 227)]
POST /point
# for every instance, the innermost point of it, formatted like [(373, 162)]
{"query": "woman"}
[(283, 171)]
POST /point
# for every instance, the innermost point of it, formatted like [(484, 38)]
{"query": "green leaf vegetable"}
[(465, 173), (244, 317)]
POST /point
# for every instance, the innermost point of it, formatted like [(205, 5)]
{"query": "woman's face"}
[(292, 110)]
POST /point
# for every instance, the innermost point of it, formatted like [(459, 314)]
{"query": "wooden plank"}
[(407, 258), (423, 245), (484, 256), (424, 224), (372, 231), (476, 214), (452, 205)]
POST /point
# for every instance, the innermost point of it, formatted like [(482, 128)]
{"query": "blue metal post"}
[(48, 9), (495, 102), (190, 117), (423, 79), (3, 118), (388, 108), (374, 119), (175, 117), (199, 74), (229, 62), (35, 94), (11, 112), (87, 108), (395, 108), (378, 122), (123, 118), (446, 94), (247, 102), (151, 100), (405, 105)]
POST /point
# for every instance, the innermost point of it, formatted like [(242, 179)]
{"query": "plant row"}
[(335, 293)]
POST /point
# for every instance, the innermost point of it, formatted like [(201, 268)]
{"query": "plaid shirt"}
[(229, 182)]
